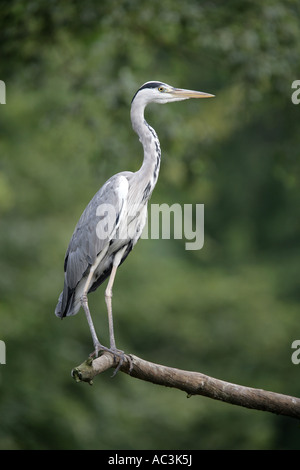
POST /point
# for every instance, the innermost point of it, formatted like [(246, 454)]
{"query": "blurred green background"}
[(230, 310)]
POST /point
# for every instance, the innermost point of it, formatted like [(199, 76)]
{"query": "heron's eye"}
[(160, 88)]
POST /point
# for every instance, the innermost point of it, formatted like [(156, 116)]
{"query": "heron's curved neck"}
[(152, 153)]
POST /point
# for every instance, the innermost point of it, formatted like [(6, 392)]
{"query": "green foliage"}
[(229, 310)]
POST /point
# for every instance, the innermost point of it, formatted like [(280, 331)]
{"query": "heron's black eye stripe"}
[(148, 85)]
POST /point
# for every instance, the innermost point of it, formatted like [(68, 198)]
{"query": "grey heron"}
[(113, 221)]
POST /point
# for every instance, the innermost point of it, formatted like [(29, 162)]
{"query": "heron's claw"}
[(116, 353), (121, 355), (98, 349)]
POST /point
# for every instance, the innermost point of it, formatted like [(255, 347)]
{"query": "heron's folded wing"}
[(95, 228)]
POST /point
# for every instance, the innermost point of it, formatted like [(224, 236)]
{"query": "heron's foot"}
[(122, 357), (120, 354), (113, 350), (98, 349)]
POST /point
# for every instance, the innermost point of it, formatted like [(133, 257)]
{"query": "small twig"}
[(193, 383)]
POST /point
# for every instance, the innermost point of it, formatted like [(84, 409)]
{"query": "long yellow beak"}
[(181, 93)]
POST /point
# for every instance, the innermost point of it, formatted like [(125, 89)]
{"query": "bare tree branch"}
[(193, 383)]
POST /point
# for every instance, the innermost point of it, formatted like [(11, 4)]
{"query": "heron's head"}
[(159, 92)]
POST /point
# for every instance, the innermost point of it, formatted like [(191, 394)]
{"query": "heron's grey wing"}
[(93, 232)]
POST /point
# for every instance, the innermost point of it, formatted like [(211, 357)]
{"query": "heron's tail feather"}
[(67, 304), (58, 309)]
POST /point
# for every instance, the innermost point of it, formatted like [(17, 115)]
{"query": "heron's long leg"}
[(108, 296), (85, 305)]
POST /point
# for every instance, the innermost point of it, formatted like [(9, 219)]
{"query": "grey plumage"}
[(113, 221)]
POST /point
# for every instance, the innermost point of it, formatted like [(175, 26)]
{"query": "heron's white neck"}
[(152, 153)]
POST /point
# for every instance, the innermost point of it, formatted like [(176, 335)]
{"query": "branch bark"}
[(193, 383)]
